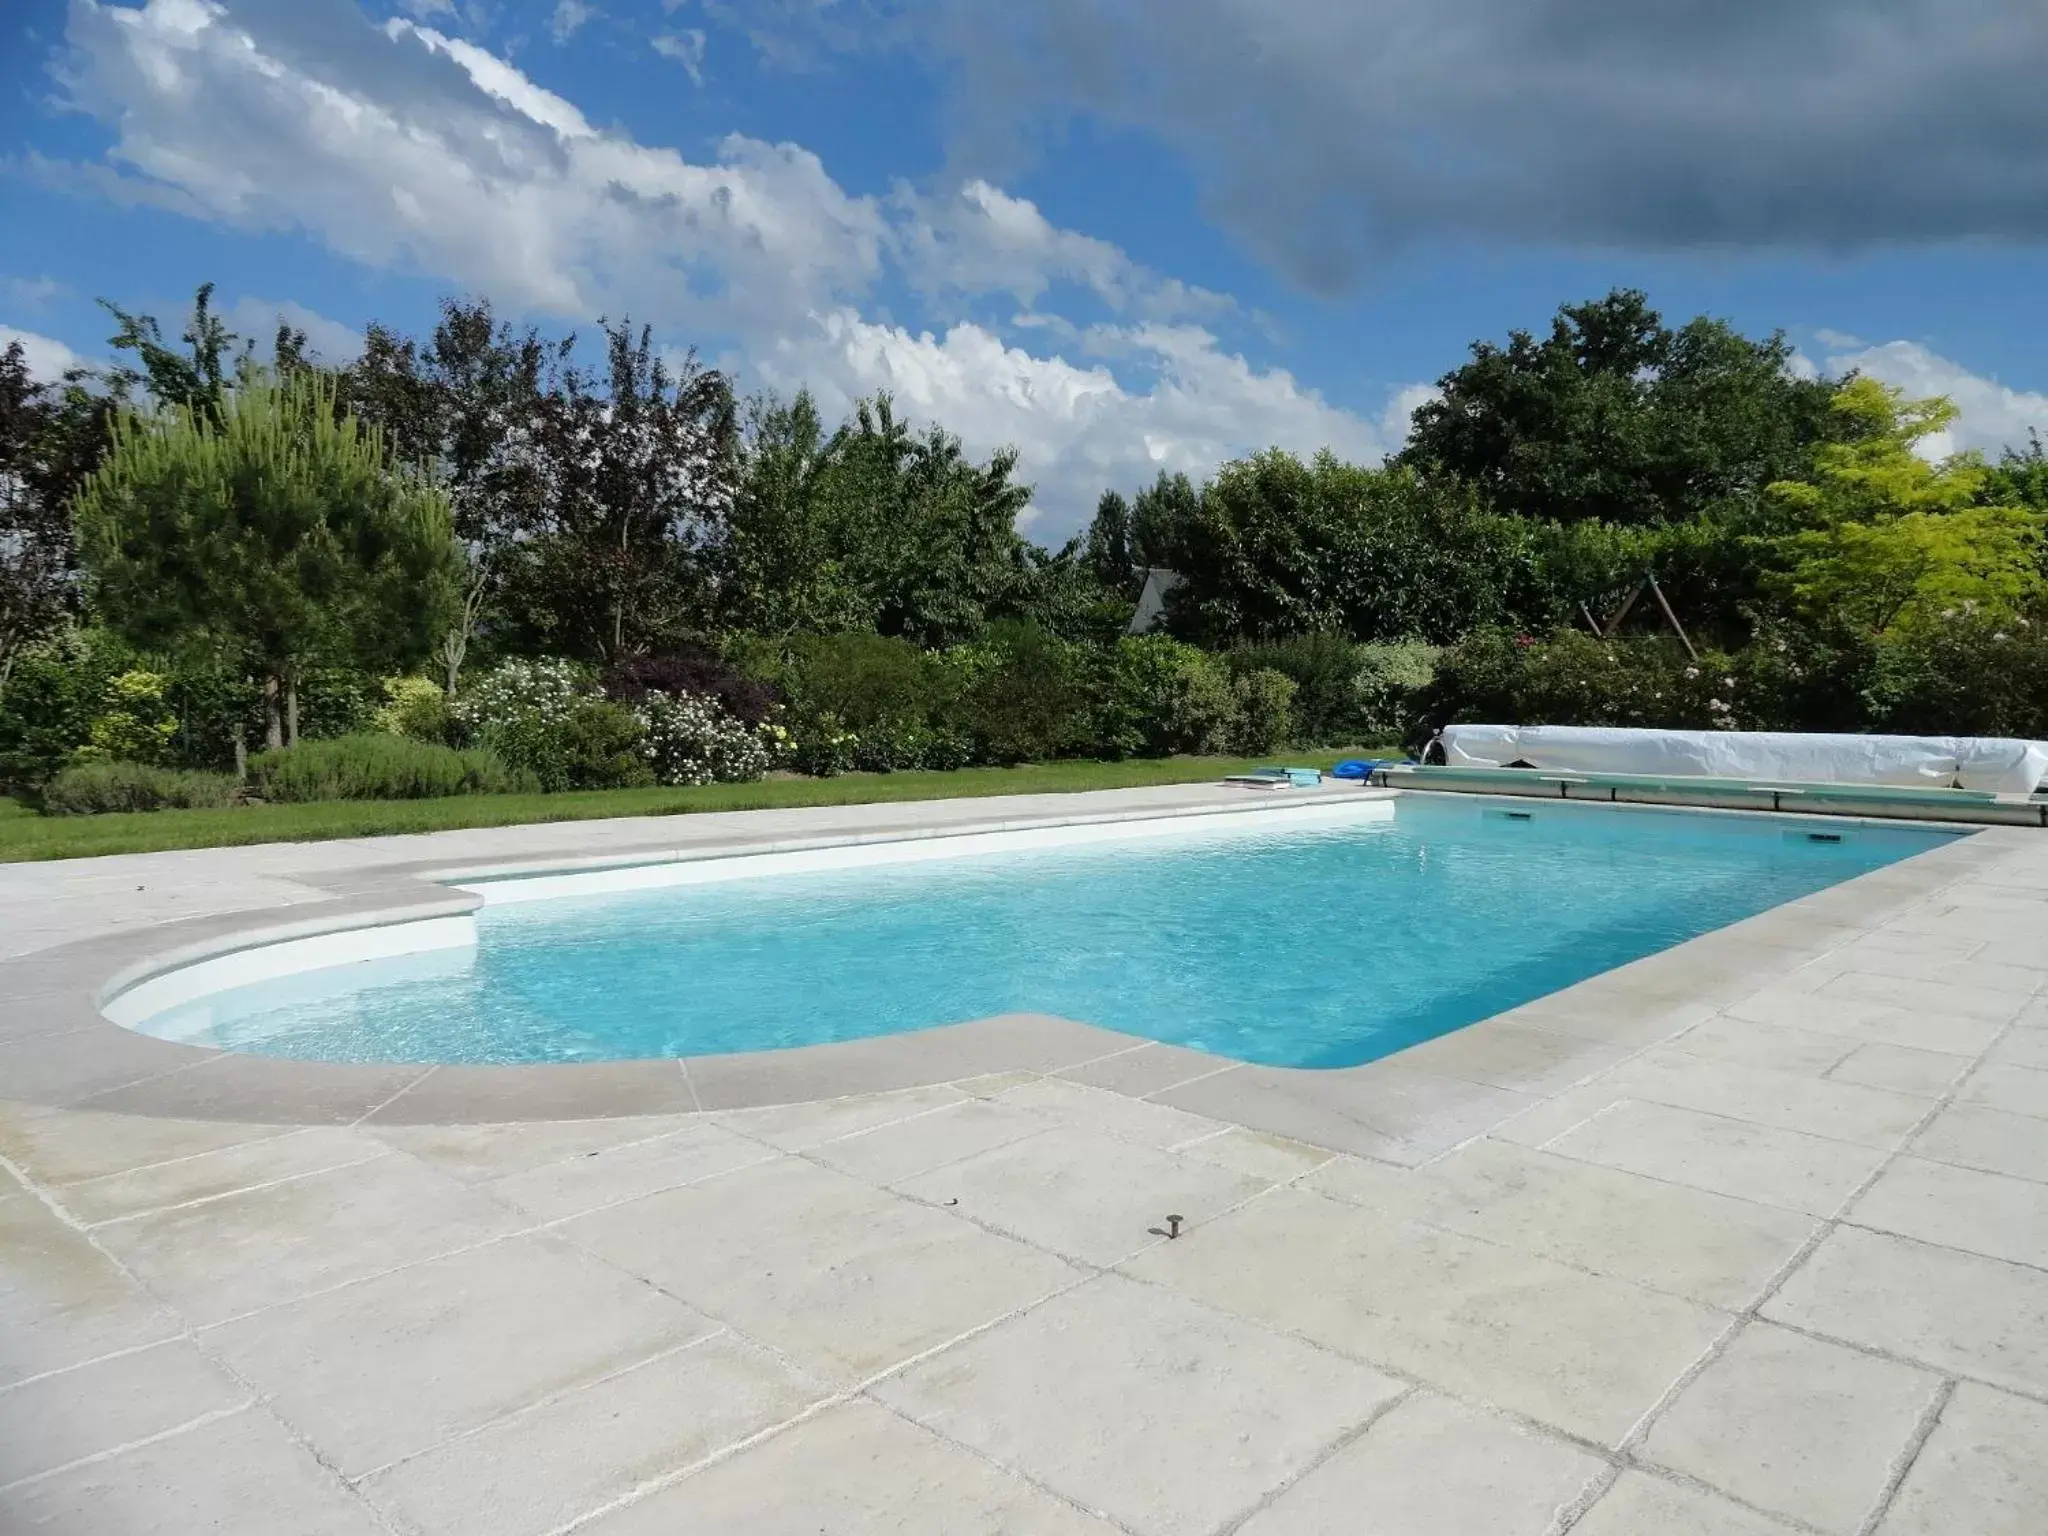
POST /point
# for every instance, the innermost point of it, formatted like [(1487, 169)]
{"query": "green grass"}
[(25, 835)]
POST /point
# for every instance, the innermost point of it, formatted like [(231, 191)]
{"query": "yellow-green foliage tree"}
[(1892, 540), (274, 534)]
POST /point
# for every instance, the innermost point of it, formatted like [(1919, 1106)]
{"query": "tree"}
[(636, 474), (1615, 417), (1890, 541), (50, 439), (197, 379), (272, 533), (1109, 551), (875, 527), (1279, 548), (467, 407)]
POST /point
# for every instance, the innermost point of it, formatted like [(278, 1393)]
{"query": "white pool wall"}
[(866, 855)]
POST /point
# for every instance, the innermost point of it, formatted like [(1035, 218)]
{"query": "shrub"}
[(691, 670), (135, 726), (413, 707), (1325, 670), (690, 739), (1162, 697), (1578, 679), (823, 747), (55, 690), (543, 717), (379, 766), (1392, 675), (1964, 676), (338, 701), (1264, 714), (1026, 695), (93, 788)]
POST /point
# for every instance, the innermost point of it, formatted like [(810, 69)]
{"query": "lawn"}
[(26, 835)]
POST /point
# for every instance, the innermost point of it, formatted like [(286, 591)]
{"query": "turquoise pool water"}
[(1310, 947)]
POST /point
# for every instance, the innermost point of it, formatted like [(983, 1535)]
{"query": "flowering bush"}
[(544, 716), (690, 739)]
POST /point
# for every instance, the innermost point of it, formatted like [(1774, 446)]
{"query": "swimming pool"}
[(1320, 940)]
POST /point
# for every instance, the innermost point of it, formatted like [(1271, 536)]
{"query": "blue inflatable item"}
[(1353, 768)]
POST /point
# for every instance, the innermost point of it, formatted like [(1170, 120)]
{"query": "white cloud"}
[(983, 240), (35, 293), (569, 17), (258, 320), (399, 146), (686, 48), (1992, 417), (1079, 429), (48, 359)]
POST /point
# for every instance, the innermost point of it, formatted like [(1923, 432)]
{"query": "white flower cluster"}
[(532, 694), (692, 740)]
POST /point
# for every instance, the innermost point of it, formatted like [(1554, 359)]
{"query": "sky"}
[(1123, 236)]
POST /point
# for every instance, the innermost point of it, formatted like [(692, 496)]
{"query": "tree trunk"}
[(291, 710), (454, 645), (273, 712), (241, 758)]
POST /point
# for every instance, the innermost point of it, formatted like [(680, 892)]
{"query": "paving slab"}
[(1783, 1047), (846, 1279), (853, 1470), (1167, 1416), (1710, 1247), (794, 1127), (1972, 1136), (208, 1175), (259, 1088), (545, 1466), (1434, 1467), (480, 1153), (1865, 1020), (1870, 1117), (2022, 1047), (1585, 1353), (1761, 1163), (1078, 1104), (57, 1147), (63, 1301), (237, 1476), (1145, 1069), (2016, 1090), (905, 1148), (56, 1420), (609, 1175), (1981, 1471), (1798, 1426), (1959, 1312), (1276, 1158), (272, 1244), (1900, 1068), (1396, 1113), (1986, 1213), (1088, 1197), (393, 1366), (1524, 1057), (1642, 1505)]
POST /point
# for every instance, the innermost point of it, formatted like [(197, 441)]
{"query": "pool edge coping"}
[(138, 1074)]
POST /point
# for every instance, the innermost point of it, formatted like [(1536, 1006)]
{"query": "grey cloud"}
[(1326, 130)]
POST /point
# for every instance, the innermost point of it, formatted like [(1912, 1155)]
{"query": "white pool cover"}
[(1922, 762)]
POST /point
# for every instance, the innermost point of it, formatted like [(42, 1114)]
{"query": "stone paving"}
[(1773, 1258)]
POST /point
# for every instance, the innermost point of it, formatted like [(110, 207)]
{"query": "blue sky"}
[(1123, 235)]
